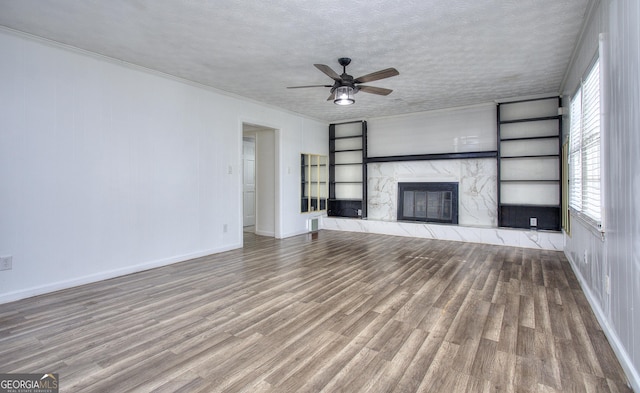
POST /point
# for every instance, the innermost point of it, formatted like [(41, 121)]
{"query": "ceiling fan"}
[(345, 85)]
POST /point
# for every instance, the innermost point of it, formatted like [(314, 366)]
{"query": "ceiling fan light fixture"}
[(346, 86), (344, 95)]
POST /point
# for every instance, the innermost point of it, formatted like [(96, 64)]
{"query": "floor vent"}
[(314, 224)]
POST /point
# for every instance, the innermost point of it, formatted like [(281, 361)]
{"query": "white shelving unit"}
[(347, 170), (529, 164)]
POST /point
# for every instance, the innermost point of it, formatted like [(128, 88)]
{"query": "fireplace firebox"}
[(428, 202)]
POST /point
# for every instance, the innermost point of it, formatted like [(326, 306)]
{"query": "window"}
[(584, 148)]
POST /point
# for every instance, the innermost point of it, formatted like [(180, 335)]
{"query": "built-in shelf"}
[(530, 156), (516, 205), (313, 182), (528, 119), (529, 164), (437, 156), (529, 138), (530, 181), (347, 180)]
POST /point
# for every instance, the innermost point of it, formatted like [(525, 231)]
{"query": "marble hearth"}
[(542, 240)]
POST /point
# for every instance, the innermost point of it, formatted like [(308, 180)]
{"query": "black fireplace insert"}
[(428, 202)]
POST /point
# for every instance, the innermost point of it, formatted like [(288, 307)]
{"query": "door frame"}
[(248, 139), (263, 127)]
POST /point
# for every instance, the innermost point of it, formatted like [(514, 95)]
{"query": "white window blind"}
[(584, 151), (591, 144), (575, 152)]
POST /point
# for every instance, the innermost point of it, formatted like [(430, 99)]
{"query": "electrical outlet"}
[(533, 222), (224, 228), (6, 263), (585, 258), (607, 284)]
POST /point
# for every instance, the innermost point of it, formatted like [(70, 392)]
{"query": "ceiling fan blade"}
[(302, 87), (374, 76), (332, 97), (375, 90), (328, 71)]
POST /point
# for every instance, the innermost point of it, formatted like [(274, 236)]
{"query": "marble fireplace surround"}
[(477, 209), (477, 187)]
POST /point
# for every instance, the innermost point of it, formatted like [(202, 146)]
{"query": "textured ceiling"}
[(449, 53)]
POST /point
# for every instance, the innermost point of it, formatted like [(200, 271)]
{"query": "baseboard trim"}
[(623, 357), (265, 233), (60, 285), (291, 234)]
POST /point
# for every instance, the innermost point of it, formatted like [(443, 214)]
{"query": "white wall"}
[(455, 130), (618, 255), (107, 168), (313, 143)]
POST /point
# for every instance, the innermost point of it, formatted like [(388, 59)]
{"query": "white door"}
[(249, 180)]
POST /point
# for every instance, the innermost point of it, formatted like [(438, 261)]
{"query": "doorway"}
[(259, 179)]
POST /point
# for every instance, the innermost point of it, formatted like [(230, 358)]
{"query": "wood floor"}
[(332, 312)]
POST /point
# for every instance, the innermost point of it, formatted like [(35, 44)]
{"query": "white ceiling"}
[(449, 53)]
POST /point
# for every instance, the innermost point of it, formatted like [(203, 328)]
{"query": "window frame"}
[(585, 151)]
